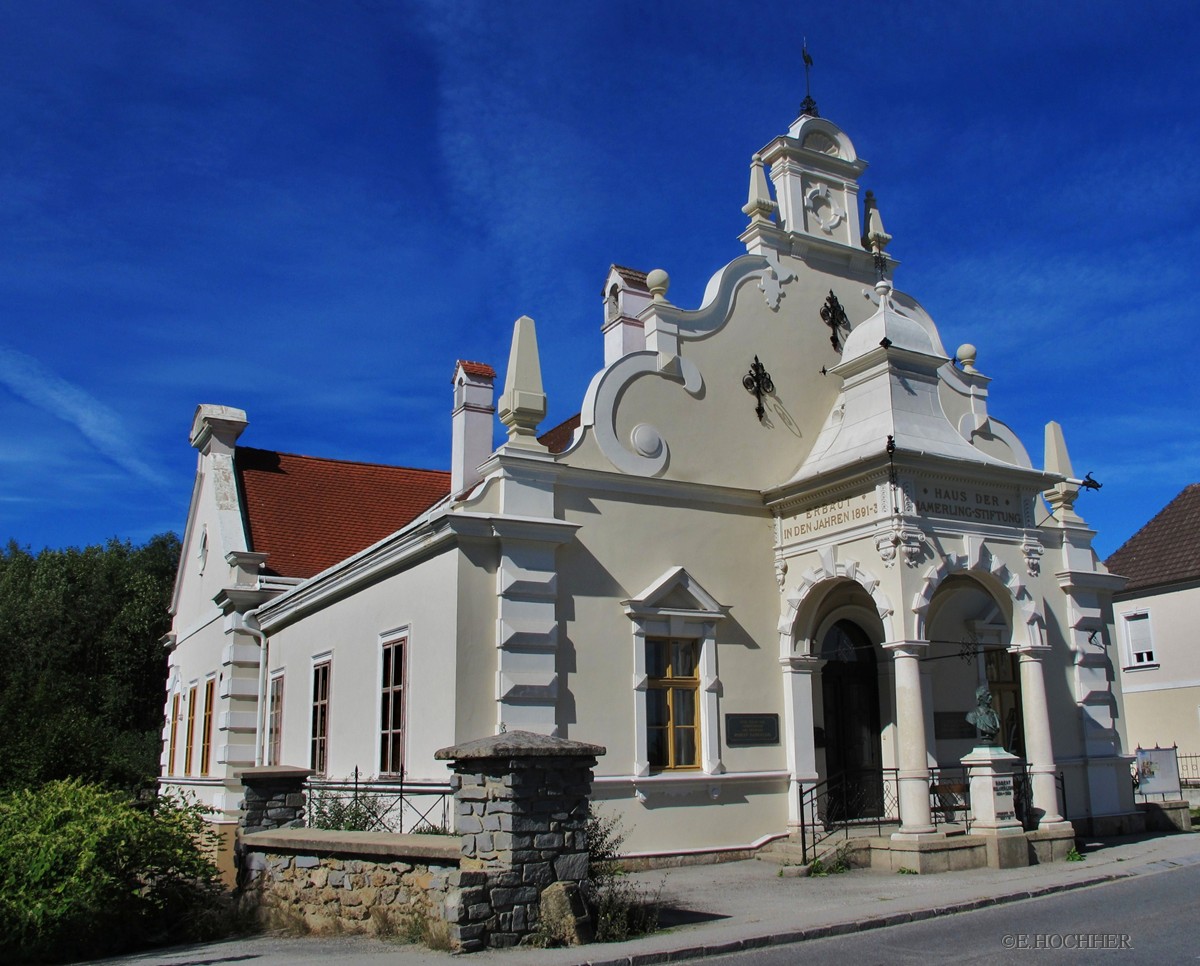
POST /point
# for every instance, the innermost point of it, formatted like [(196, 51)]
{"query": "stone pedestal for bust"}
[(993, 806)]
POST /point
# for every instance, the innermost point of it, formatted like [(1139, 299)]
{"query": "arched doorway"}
[(850, 696)]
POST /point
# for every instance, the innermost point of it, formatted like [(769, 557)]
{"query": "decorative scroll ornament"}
[(781, 569), (834, 316), (1032, 548), (899, 541), (772, 279), (823, 205)]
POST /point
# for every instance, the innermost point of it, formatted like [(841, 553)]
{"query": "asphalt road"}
[(1148, 919)]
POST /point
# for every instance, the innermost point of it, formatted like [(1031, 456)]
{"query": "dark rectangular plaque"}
[(746, 730), (951, 725)]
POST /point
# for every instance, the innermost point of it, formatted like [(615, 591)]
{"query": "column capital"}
[(1034, 652), (905, 648), (801, 663)]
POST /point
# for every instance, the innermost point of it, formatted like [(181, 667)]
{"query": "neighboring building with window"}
[(784, 540), (1158, 636)]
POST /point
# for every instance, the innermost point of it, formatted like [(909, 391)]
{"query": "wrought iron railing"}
[(950, 796), (1189, 770), (380, 805), (849, 800), (1023, 795)]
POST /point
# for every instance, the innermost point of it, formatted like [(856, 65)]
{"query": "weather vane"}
[(808, 105)]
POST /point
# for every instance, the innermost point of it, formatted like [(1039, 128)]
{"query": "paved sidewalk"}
[(723, 908)]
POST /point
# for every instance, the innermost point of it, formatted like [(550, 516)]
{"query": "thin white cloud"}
[(27, 378)]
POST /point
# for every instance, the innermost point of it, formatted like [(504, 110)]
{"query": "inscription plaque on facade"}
[(962, 502), (952, 725), (746, 730), (834, 515)]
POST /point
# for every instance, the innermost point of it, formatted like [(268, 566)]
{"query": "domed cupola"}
[(815, 171)]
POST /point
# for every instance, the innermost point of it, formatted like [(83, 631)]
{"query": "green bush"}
[(88, 872), (620, 909)]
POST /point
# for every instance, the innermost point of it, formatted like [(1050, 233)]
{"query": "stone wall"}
[(357, 882), (521, 804)]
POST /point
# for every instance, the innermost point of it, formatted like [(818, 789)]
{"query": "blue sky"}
[(309, 210)]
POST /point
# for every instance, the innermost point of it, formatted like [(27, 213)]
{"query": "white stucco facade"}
[(831, 579)]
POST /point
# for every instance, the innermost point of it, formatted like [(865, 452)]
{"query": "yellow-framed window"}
[(673, 703), (210, 692), (189, 741), (174, 733)]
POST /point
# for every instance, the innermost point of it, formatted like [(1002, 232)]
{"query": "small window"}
[(391, 708), (672, 712), (275, 720), (1137, 634), (210, 689), (320, 717), (189, 741)]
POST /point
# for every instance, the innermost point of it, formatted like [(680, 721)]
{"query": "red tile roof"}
[(308, 513), (559, 438), (1167, 549), (632, 277), (480, 370)]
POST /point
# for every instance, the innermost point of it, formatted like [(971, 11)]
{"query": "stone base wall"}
[(357, 882)]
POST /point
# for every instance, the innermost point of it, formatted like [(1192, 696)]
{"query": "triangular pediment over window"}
[(675, 591)]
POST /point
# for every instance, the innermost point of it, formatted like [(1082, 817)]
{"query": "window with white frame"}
[(675, 679), (1138, 638), (391, 706), (318, 759), (275, 719)]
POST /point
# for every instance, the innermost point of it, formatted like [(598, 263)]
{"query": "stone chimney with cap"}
[(471, 422)]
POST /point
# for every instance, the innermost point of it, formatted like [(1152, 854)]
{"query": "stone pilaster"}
[(274, 798), (521, 802)]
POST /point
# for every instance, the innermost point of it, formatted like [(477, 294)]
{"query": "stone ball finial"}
[(658, 282), (966, 357)]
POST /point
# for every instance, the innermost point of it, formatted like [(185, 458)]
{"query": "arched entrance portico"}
[(998, 626)]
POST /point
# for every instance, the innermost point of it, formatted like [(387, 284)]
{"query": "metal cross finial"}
[(758, 383), (808, 105), (834, 316)]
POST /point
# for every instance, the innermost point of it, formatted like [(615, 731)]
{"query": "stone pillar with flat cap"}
[(916, 819)]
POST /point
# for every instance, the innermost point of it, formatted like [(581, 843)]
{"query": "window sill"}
[(1153, 665)]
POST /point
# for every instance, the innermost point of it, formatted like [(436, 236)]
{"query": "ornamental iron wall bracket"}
[(758, 383), (834, 316)]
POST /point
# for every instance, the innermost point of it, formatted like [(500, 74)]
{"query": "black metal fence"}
[(380, 805), (1023, 795), (1189, 770), (852, 800), (950, 796)]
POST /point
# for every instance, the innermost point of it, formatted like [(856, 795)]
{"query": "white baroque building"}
[(785, 540)]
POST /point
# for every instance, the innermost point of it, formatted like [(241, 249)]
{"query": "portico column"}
[(798, 729), (913, 771), (1038, 746)]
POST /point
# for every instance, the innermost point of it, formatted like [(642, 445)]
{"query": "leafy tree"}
[(82, 672)]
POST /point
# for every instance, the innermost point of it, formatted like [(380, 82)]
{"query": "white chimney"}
[(472, 422)]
